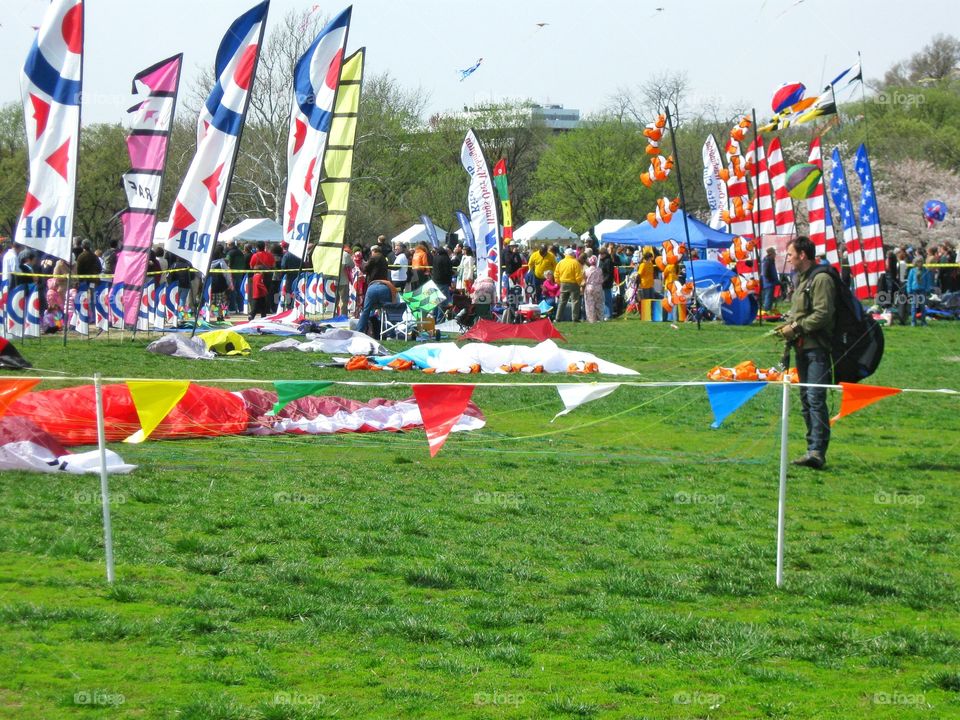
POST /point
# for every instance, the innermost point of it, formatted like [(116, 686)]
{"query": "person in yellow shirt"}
[(569, 274), (646, 276), (539, 263), (669, 276)]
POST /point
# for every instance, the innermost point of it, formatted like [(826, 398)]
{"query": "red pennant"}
[(59, 159), (856, 397), (10, 390), (441, 407)]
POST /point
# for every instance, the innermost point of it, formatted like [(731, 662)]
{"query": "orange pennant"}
[(441, 407), (856, 397), (10, 390)]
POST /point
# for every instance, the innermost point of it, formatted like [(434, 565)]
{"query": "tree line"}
[(406, 165)]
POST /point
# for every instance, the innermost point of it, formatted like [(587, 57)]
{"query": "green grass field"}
[(618, 563)]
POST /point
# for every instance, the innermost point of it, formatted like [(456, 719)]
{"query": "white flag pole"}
[(782, 502), (104, 481)]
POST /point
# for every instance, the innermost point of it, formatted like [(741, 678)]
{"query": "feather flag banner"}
[(316, 79), (818, 211), (198, 208), (502, 183), (783, 215), (51, 84), (851, 236), (869, 218), (147, 145), (483, 211), (338, 169), (715, 188), (763, 214)]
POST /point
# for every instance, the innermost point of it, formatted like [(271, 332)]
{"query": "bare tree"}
[(936, 62), (260, 178)]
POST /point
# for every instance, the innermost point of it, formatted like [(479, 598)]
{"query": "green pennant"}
[(288, 391)]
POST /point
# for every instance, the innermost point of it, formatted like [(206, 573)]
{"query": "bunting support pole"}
[(104, 479), (782, 499), (683, 206)]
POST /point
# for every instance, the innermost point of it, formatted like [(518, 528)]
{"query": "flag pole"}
[(683, 207), (863, 100), (755, 213)]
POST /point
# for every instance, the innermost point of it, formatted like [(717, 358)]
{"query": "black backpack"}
[(856, 345)]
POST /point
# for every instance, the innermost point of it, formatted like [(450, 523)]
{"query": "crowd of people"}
[(908, 282), (582, 281), (579, 282)]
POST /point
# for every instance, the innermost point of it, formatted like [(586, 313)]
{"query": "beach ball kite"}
[(802, 180), (934, 211), (788, 94)]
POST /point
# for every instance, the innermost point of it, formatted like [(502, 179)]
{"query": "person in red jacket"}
[(258, 292)]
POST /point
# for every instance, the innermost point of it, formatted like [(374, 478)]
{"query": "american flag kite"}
[(869, 218), (851, 237)]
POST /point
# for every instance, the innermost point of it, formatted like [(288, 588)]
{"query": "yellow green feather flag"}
[(338, 167)]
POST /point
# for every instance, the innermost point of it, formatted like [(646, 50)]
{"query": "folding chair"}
[(396, 322)]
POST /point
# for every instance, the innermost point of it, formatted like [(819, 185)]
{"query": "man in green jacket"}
[(812, 317)]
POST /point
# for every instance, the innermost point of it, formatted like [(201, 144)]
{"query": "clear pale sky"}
[(734, 53)]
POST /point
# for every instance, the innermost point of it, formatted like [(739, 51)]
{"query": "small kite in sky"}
[(464, 74)]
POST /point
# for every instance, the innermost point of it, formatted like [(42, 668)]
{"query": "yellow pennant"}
[(154, 400)]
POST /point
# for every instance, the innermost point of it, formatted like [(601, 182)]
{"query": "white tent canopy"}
[(418, 233), (254, 230), (542, 231), (607, 226)]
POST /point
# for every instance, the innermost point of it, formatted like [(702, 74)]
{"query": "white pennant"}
[(576, 394)]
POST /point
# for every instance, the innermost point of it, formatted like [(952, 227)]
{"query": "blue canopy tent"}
[(710, 272), (702, 236)]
